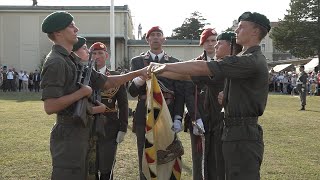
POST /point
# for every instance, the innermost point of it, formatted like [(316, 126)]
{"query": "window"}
[(263, 47)]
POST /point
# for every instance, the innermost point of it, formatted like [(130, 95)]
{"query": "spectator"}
[(36, 81), (20, 74), (25, 79), (30, 84), (10, 80)]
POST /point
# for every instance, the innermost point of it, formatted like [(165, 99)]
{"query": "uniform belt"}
[(165, 95), (240, 121), (67, 119)]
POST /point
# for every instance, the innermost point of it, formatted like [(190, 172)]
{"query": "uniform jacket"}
[(247, 90), (175, 86), (60, 74), (208, 90), (116, 101)]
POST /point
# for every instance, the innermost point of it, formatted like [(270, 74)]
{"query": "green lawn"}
[(292, 140)]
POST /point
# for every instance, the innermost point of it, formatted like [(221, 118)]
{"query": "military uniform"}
[(196, 141), (69, 139), (210, 111), (302, 88), (246, 93), (116, 120), (172, 93)]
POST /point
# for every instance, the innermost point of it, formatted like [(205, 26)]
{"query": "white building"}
[(23, 45)]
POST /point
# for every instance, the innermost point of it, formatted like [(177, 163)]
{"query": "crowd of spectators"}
[(22, 81), (286, 81), (283, 82)]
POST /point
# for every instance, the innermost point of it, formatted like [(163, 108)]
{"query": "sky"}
[(170, 14)]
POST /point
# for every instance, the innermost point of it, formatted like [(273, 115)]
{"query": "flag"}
[(159, 136)]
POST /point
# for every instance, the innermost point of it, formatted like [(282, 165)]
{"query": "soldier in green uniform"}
[(81, 49), (302, 86), (246, 92), (69, 138), (116, 115)]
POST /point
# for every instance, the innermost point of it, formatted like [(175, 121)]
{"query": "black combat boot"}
[(302, 108)]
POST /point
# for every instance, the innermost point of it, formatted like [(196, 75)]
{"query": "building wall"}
[(180, 52), (23, 45)]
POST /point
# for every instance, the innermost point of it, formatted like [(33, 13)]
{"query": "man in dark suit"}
[(36, 81), (116, 116), (171, 89)]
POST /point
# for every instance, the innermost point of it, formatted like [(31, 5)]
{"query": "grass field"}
[(292, 140)]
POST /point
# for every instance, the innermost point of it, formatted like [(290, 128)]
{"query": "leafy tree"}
[(191, 27), (299, 31)]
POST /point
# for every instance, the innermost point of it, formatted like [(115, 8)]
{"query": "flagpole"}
[(112, 37)]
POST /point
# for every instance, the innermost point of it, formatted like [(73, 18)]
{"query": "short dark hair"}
[(51, 36), (263, 31)]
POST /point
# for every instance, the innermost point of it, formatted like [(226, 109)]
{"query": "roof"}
[(280, 67), (309, 67), (64, 8), (170, 42)]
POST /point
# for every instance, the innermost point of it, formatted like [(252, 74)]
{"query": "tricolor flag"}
[(158, 136)]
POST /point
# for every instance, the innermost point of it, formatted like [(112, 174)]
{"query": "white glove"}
[(138, 81), (177, 125), (120, 137), (198, 128)]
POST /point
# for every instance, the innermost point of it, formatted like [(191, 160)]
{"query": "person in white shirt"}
[(24, 79), (10, 80)]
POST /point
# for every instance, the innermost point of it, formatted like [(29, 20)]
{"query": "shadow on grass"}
[(186, 168), (20, 96), (312, 110)]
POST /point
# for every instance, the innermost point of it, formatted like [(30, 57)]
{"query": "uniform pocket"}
[(68, 146)]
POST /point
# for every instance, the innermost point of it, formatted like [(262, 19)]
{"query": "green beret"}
[(257, 18), (228, 35), (56, 21), (79, 44)]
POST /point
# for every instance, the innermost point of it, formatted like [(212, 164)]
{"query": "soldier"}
[(171, 89), (116, 115), (302, 87), (199, 162), (69, 137), (246, 92), (81, 49)]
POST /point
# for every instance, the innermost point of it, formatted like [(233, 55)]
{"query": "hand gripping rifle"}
[(81, 108)]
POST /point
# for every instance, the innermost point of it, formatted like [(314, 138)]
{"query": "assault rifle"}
[(99, 119), (81, 108)]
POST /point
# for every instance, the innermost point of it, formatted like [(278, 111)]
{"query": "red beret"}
[(155, 28), (206, 33), (98, 46)]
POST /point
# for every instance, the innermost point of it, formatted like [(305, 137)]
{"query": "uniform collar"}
[(154, 55), (60, 49), (252, 49), (162, 55), (103, 70)]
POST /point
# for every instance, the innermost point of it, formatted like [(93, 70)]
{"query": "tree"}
[(191, 27), (299, 31)]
